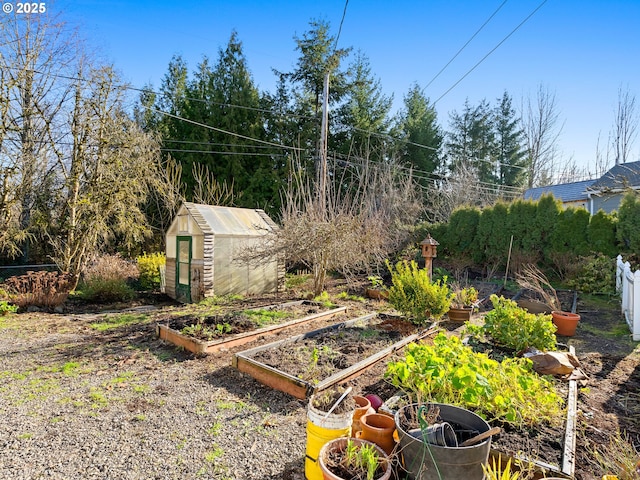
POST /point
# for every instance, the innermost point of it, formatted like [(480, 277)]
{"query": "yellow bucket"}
[(319, 431)]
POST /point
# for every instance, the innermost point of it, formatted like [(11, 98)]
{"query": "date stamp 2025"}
[(24, 7)]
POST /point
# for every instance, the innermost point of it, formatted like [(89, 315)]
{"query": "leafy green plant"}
[(464, 296), (514, 327), (263, 316), (202, 330), (495, 471), (149, 267), (451, 372), (324, 299), (375, 281), (6, 307), (353, 298), (360, 460), (415, 295)]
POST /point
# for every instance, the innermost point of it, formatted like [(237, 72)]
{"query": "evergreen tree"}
[(472, 141), (510, 156), (363, 120), (423, 136)]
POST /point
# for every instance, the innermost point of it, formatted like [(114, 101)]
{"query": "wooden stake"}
[(508, 260)]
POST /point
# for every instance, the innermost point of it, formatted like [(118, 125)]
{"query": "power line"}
[(203, 125), (491, 51), (344, 13), (244, 154), (465, 45)]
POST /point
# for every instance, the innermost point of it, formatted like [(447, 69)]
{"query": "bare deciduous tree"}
[(367, 207), (625, 126), (540, 118), (464, 188), (106, 175)]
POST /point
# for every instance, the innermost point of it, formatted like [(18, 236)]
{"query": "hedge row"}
[(541, 232)]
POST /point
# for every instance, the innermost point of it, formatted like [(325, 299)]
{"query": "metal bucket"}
[(425, 461)]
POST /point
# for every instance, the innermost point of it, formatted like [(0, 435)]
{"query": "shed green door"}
[(183, 270)]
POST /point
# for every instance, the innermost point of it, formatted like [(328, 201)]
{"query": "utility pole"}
[(322, 168)]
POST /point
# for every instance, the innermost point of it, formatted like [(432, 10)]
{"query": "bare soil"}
[(608, 401)]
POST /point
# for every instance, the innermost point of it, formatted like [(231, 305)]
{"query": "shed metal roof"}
[(230, 221), (567, 192)]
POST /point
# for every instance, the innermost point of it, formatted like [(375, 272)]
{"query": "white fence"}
[(628, 284)]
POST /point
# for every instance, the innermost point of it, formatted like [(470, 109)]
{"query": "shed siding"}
[(170, 288)]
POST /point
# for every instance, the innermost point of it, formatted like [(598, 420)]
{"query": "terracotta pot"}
[(377, 293), (363, 408), (378, 428), (460, 314), (340, 445), (566, 322)]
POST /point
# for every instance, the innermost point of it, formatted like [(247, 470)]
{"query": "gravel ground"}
[(79, 403)]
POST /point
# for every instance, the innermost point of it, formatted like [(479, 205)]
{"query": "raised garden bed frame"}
[(229, 341), (302, 389)]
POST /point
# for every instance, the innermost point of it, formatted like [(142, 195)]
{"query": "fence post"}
[(619, 273), (635, 309)]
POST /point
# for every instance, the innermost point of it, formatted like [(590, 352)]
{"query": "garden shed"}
[(206, 253)]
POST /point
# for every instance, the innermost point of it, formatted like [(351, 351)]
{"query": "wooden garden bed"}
[(316, 360), (228, 340)]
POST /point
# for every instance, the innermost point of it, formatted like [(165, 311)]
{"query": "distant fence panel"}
[(628, 285)]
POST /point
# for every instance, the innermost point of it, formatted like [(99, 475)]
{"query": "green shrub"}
[(107, 279), (6, 307), (452, 373), (602, 233), (413, 293), (516, 328), (105, 290), (149, 269), (628, 231), (597, 274), (462, 231)]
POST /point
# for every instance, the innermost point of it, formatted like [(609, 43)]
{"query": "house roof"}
[(230, 221), (567, 192), (624, 175)]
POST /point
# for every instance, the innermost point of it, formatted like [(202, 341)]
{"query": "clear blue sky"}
[(583, 51)]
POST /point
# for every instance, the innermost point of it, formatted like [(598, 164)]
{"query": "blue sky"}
[(582, 51)]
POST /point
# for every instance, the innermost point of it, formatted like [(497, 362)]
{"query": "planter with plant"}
[(376, 289), (415, 295), (513, 327), (464, 300), (531, 278), (353, 459)]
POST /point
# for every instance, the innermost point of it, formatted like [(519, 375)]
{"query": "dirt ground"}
[(608, 401)]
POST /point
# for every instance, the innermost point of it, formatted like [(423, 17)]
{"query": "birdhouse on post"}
[(429, 247)]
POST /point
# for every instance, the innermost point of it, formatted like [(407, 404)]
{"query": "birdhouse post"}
[(429, 247)]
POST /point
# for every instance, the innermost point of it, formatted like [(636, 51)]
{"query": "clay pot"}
[(460, 314), (377, 293), (378, 428), (363, 408), (566, 323)]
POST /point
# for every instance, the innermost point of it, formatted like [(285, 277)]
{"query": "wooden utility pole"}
[(322, 167)]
